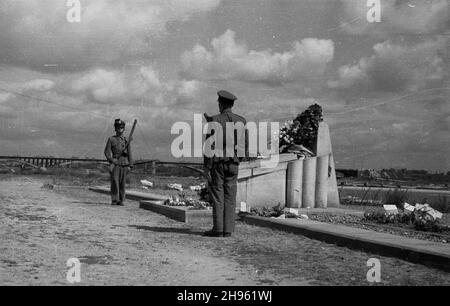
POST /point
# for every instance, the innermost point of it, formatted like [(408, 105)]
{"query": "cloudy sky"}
[(383, 86)]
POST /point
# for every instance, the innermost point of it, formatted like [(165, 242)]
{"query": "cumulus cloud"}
[(400, 126), (11, 88), (188, 88), (5, 96), (229, 59), (398, 17), (101, 84), (116, 86), (38, 84), (138, 86), (395, 67), (109, 30)]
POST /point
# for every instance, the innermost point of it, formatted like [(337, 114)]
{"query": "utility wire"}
[(52, 102)]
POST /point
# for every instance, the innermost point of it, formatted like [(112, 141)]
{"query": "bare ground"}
[(41, 229)]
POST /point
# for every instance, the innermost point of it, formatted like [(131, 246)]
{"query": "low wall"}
[(259, 186)]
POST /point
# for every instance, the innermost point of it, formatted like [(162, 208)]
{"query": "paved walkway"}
[(42, 228), (416, 250)]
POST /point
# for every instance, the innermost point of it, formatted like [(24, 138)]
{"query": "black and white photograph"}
[(224, 149)]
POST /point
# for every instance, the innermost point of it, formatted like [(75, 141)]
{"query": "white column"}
[(321, 182), (309, 182), (294, 184)]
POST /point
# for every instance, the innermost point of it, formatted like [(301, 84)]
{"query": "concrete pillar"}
[(321, 182), (324, 148), (294, 184), (323, 140), (309, 182)]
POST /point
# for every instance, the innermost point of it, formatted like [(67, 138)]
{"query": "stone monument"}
[(296, 182)]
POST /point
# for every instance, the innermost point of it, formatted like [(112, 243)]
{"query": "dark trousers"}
[(118, 177), (223, 190)]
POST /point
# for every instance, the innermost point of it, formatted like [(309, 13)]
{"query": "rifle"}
[(130, 137)]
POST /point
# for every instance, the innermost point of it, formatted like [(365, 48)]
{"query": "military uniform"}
[(119, 155), (223, 174)]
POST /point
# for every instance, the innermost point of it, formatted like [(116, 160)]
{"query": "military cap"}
[(226, 95), (119, 123)]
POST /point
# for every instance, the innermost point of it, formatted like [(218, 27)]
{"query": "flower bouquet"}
[(300, 135)]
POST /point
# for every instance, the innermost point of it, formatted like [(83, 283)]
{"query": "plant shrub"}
[(396, 196), (302, 130)]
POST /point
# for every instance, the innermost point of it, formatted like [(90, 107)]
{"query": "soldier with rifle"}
[(118, 153)]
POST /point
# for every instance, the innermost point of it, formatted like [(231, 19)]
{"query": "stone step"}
[(133, 195), (178, 213)]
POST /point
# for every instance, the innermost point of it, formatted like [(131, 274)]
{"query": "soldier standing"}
[(118, 153), (223, 169)]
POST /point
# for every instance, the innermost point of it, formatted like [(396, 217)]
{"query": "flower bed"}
[(399, 229), (190, 203), (414, 225), (272, 212)]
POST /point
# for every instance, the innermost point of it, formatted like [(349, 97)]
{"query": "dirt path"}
[(41, 229)]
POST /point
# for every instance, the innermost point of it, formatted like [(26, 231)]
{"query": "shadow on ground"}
[(92, 203), (167, 229)]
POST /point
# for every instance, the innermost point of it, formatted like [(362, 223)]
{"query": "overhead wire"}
[(108, 116)]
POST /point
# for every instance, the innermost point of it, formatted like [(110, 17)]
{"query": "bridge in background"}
[(146, 164), (46, 162)]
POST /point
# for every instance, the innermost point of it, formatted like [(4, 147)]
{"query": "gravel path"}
[(41, 229)]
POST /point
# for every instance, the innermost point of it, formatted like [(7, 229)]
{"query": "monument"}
[(296, 182)]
